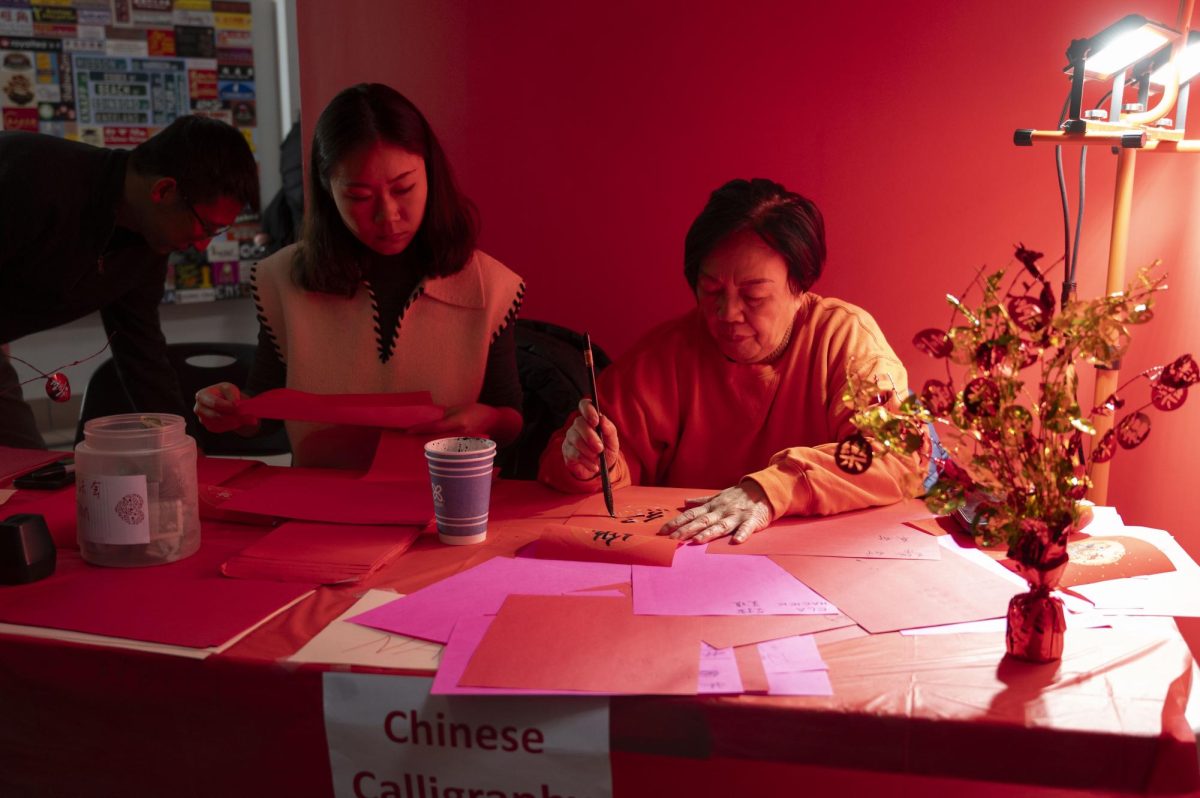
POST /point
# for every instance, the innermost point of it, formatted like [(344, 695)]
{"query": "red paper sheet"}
[(218, 470), (843, 535), (559, 542), (212, 500), (639, 509), (599, 645), (305, 552), (593, 644), (185, 603), (16, 462), (886, 595), (390, 410), (399, 457), (333, 497)]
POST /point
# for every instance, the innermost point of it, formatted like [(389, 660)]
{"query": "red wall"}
[(590, 137)]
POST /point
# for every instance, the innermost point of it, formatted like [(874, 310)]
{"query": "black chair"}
[(554, 378), (197, 365)]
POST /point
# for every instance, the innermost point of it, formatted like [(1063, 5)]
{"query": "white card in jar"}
[(113, 509)]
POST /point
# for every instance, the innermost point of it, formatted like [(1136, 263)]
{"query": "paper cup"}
[(460, 474)]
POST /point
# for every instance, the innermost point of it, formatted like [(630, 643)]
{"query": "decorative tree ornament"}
[(854, 454), (1133, 429), (981, 397), (1027, 313), (58, 387), (1181, 373), (938, 397), (933, 342), (1105, 448), (989, 355), (1166, 397), (1015, 436)]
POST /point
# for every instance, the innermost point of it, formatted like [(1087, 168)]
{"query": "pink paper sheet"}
[(299, 551), (877, 532), (799, 683), (431, 613), (185, 603), (391, 410), (718, 672), (799, 653), (700, 585), (333, 498), (887, 595)]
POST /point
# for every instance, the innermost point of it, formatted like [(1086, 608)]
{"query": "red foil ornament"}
[(981, 397), (58, 387), (1132, 430), (1027, 313), (1181, 373), (933, 342), (1167, 397), (938, 397), (1105, 448)]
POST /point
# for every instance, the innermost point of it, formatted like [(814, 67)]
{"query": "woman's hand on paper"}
[(582, 445), (739, 511), (217, 409), (501, 424)]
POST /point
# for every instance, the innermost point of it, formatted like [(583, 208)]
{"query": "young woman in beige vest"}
[(385, 292)]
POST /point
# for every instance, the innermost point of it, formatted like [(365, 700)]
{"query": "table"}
[(932, 715)]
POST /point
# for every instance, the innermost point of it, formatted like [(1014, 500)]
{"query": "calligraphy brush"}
[(604, 480)]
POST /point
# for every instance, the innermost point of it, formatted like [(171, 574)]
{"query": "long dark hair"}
[(790, 224), (329, 258)]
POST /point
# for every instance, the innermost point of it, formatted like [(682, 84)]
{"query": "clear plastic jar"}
[(135, 490)]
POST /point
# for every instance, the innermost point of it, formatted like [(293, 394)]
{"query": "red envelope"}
[(596, 545)]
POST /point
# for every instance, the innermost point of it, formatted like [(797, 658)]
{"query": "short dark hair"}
[(330, 258), (789, 224), (207, 158)]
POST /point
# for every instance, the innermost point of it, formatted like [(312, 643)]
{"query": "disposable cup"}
[(460, 475)]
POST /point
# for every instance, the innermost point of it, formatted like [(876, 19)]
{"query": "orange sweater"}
[(688, 417)]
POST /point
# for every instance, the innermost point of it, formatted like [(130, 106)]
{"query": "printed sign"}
[(388, 737), (113, 509)]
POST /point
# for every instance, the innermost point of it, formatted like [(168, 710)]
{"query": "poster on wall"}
[(112, 73)]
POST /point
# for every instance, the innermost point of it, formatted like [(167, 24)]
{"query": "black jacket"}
[(62, 257)]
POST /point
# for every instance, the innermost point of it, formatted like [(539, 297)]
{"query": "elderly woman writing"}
[(746, 388)]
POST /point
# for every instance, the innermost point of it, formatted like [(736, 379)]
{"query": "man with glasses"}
[(84, 228)]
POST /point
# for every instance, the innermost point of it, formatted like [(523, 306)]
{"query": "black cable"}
[(1062, 193), (1069, 282)]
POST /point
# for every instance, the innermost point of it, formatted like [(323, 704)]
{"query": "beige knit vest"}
[(330, 345)]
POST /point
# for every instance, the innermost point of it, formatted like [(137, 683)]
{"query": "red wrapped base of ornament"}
[(1036, 626)]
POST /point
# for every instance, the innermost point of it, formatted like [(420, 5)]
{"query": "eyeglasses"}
[(210, 230)]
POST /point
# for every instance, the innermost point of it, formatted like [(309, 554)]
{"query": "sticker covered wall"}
[(114, 72)]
